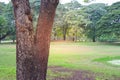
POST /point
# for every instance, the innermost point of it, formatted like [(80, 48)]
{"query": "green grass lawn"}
[(79, 56), (7, 62)]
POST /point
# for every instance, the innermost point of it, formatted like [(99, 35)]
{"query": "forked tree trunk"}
[(33, 47)]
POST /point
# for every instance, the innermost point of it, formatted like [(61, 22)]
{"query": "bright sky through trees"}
[(6, 1), (81, 1), (95, 1)]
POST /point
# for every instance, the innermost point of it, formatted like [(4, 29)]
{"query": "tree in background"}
[(10, 21), (73, 5), (33, 47), (95, 12), (60, 27), (73, 21), (109, 25), (2, 28), (35, 8), (7, 22), (3, 23), (77, 21)]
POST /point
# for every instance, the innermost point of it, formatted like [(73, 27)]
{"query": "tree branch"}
[(4, 36)]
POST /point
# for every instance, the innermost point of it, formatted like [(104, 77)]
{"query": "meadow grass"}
[(78, 56), (83, 56), (7, 62)]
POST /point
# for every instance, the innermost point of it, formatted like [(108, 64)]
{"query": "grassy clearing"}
[(78, 56), (82, 56)]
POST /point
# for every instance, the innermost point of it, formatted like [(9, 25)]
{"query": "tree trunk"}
[(73, 37), (55, 36), (13, 40), (33, 51), (76, 35), (94, 34), (64, 32), (64, 37), (42, 42), (25, 40), (94, 39)]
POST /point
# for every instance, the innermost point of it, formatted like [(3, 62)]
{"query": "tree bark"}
[(33, 48), (44, 28), (25, 40)]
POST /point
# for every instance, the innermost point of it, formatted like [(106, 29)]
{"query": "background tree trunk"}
[(94, 34), (33, 51), (64, 32)]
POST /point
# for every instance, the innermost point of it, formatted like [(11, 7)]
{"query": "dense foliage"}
[(73, 21), (7, 27), (109, 24)]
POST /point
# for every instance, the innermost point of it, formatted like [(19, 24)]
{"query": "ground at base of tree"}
[(60, 73)]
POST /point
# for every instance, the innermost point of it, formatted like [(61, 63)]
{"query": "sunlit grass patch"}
[(106, 60), (7, 73)]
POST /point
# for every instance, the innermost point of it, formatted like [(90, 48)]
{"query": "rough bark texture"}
[(44, 28), (25, 39), (33, 51)]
